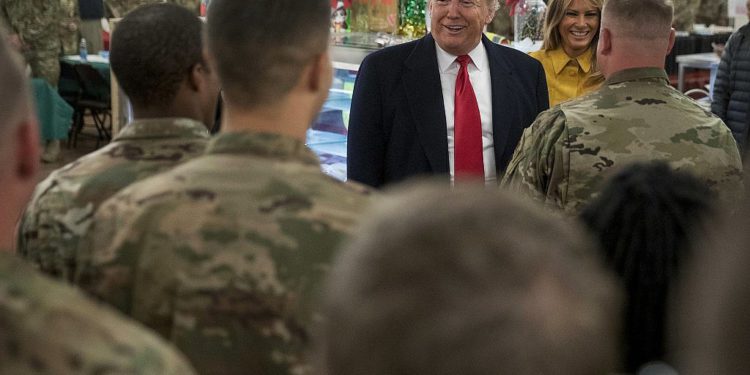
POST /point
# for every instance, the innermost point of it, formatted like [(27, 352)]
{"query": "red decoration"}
[(512, 5)]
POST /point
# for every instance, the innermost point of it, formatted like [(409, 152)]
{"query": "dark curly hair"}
[(645, 220), (153, 50)]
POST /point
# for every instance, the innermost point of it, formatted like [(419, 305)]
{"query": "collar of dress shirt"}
[(560, 59), (447, 61)]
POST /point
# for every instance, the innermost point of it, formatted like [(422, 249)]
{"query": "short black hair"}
[(262, 46), (645, 220), (153, 50)]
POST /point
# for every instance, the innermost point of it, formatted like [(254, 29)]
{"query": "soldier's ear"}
[(27, 151), (671, 40), (319, 73), (196, 76), (605, 42)]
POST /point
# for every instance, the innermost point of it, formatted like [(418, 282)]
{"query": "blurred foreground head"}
[(713, 328), (645, 219), (19, 143), (468, 281)]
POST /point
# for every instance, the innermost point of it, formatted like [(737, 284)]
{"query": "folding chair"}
[(95, 98)]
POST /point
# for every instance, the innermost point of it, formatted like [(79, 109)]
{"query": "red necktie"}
[(467, 131)]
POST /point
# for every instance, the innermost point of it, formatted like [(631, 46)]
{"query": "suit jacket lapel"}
[(425, 99), (503, 101)]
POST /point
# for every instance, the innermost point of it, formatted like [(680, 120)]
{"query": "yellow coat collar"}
[(560, 59)]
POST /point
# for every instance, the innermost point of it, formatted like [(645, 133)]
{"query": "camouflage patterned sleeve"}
[(539, 167), (50, 328), (102, 244)]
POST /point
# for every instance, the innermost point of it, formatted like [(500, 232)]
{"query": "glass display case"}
[(327, 135)]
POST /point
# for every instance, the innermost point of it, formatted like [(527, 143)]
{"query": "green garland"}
[(412, 18)]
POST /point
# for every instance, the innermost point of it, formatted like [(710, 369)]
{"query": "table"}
[(708, 60), (121, 110), (54, 114), (691, 44), (100, 63)]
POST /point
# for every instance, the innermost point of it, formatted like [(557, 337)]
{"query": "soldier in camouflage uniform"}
[(46, 327), (566, 153), (225, 254), (173, 95), (712, 12), (37, 23), (684, 14), (69, 24)]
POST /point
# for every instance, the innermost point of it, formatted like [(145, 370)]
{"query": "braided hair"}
[(644, 220)]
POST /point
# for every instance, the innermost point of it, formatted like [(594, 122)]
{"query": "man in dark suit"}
[(412, 112)]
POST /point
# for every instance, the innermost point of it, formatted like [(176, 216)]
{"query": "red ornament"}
[(512, 5)]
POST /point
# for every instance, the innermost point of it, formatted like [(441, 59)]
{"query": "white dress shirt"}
[(479, 75)]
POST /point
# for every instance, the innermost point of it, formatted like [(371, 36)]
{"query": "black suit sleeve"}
[(542, 95), (366, 140)]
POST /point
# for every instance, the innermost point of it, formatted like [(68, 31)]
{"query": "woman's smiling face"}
[(578, 27)]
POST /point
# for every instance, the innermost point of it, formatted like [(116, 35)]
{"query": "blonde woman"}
[(568, 54)]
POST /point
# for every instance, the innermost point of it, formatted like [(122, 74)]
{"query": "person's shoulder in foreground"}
[(46, 327), (49, 328), (60, 212), (158, 60), (232, 228)]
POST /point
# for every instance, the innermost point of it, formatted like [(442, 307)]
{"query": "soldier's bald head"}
[(638, 19)]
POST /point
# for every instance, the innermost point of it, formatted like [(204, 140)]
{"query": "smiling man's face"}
[(457, 25)]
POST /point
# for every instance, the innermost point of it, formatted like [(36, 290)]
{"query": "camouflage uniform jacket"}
[(565, 154), (38, 23), (50, 328), (226, 254), (31, 20), (684, 14), (63, 205)]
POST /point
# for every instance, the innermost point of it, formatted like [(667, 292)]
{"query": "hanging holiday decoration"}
[(528, 19), (375, 16), (412, 18)]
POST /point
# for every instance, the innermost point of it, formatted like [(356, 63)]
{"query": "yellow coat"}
[(567, 77)]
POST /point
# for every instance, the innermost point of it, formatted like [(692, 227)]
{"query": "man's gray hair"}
[(468, 281)]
